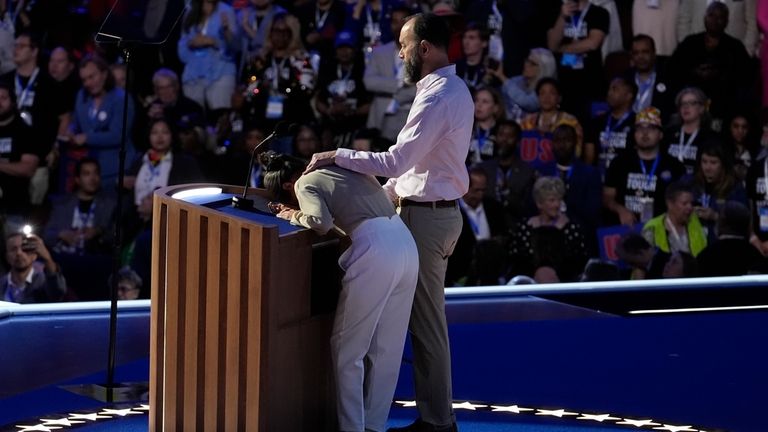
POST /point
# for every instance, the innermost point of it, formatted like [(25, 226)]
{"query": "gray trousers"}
[(435, 231)]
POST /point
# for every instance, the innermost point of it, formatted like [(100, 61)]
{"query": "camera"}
[(26, 242)]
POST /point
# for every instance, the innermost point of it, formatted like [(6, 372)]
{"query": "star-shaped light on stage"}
[(91, 417), (407, 404), (118, 412), (597, 417), (468, 406), (60, 422), (142, 407), (511, 408), (671, 428), (555, 413), (38, 427), (638, 423)]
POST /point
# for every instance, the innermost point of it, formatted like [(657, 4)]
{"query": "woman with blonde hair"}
[(520, 91), (550, 238)]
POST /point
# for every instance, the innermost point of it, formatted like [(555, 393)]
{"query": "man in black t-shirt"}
[(19, 157), (611, 133), (577, 37), (636, 180)]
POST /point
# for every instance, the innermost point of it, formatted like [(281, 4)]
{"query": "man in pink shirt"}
[(427, 177)]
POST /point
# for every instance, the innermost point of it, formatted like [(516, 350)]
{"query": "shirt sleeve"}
[(418, 137), (314, 212)]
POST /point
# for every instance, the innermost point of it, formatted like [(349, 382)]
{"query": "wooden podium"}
[(238, 341)]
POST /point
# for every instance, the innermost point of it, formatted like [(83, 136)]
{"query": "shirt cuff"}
[(343, 157)]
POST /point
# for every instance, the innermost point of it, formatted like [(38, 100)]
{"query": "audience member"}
[(19, 156), (598, 270), (97, 123), (169, 103), (680, 265), (129, 284), (489, 109), (27, 280), (636, 181), (549, 239), (714, 62), (715, 184), (472, 67), (483, 221), (635, 251), (82, 221), (611, 133), (306, 143), (283, 79), (383, 77), (320, 21), (34, 91), (62, 67), (341, 98), (653, 86), (519, 92), (582, 200), (209, 40), (537, 128), (739, 140), (690, 132), (255, 19), (510, 180), (371, 20), (80, 233), (6, 38), (679, 228), (577, 37), (731, 254), (742, 22)]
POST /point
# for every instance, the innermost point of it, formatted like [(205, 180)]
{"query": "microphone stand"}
[(241, 202)]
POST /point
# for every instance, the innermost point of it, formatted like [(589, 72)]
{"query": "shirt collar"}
[(442, 72), (28, 279)]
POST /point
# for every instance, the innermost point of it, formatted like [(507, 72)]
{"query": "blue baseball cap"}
[(345, 38)]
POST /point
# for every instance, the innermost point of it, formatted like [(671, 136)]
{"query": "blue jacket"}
[(210, 64)]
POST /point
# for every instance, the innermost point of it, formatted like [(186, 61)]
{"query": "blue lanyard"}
[(653, 168), (610, 126), (568, 173), (482, 136), (705, 200), (85, 217)]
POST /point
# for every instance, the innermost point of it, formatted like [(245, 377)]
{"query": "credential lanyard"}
[(683, 147), (23, 93)]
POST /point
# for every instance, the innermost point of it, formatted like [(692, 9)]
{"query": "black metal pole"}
[(118, 244)]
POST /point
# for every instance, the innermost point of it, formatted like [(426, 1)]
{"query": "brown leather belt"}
[(404, 202)]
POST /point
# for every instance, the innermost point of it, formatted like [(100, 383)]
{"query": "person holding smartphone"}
[(27, 280)]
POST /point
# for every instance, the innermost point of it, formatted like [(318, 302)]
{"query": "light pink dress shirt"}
[(427, 162)]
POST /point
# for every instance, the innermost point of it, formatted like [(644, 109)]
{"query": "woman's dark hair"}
[(549, 81), (727, 179), (431, 28), (195, 14), (102, 66), (278, 169)]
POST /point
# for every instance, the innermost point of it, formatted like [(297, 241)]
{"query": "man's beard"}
[(412, 69)]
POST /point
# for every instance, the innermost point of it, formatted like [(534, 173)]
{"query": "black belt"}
[(404, 202)]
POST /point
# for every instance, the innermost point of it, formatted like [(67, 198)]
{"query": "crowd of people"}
[(592, 119)]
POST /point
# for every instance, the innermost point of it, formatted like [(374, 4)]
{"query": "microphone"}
[(282, 129)]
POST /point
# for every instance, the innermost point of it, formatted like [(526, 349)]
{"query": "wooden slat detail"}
[(157, 313), (233, 338), (213, 317), (253, 396), (203, 322), (190, 245), (221, 338), (172, 330)]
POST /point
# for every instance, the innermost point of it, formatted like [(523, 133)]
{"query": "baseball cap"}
[(345, 38), (649, 116)]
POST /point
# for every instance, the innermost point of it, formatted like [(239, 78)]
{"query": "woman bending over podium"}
[(381, 269)]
